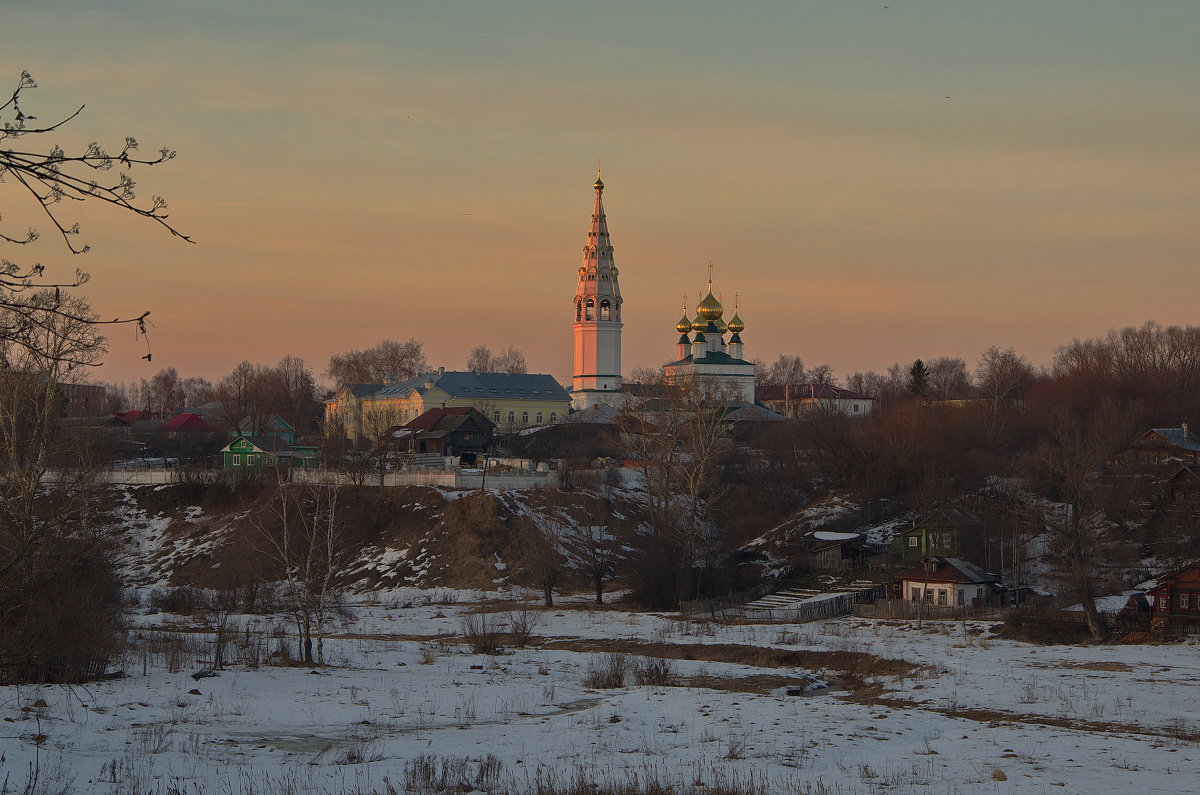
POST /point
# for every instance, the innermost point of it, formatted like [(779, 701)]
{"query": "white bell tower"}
[(597, 326)]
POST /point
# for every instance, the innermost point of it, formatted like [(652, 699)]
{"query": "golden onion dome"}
[(721, 326), (598, 184), (710, 308), (699, 324), (736, 325), (684, 325)]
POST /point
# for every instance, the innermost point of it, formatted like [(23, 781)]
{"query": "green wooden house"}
[(944, 532), (250, 453)]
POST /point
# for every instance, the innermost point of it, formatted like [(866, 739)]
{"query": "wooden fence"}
[(904, 608)]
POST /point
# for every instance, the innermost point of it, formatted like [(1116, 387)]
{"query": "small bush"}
[(607, 672), (654, 671), (183, 600), (482, 632), (522, 624)]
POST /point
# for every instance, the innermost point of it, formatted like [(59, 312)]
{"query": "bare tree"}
[(1066, 467), (787, 369), (387, 359), (52, 179), (303, 534), (948, 379), (509, 360)]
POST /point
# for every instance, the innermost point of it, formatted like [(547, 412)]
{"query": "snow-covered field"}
[(405, 703)]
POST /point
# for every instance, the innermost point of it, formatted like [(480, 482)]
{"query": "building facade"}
[(510, 400)]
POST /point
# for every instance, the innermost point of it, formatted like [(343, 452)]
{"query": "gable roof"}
[(959, 517), (187, 423), (445, 420), (949, 570), (264, 444), (1181, 437), (469, 385)]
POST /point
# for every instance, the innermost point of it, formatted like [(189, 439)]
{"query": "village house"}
[(1177, 595), (945, 531), (948, 582), (253, 453), (447, 432), (1167, 448)]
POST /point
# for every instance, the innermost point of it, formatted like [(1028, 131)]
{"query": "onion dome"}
[(684, 325), (710, 308), (699, 324), (735, 324), (722, 327)]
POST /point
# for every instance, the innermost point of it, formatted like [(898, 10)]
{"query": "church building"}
[(714, 364)]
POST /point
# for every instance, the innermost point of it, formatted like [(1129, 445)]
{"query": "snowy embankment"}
[(965, 715)]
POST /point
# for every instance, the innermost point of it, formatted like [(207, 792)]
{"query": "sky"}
[(876, 181)]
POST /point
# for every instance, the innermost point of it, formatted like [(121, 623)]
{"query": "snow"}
[(1056, 719), (823, 535)]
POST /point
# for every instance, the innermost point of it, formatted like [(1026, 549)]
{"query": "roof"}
[(446, 420), (470, 384), (1181, 437), (189, 423), (268, 444), (809, 391), (598, 414), (743, 411), (959, 517), (948, 570)]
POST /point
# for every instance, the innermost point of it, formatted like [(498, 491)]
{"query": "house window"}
[(1162, 603), (915, 594), (962, 598), (539, 418), (250, 460), (496, 417), (1183, 601), (855, 408), (912, 541), (524, 417), (553, 416), (237, 460), (929, 595), (942, 597), (512, 417)]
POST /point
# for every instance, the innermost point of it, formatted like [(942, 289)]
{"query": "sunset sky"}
[(879, 181)]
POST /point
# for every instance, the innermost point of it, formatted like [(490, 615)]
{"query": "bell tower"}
[(597, 327)]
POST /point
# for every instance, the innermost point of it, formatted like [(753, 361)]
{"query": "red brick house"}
[(1177, 595)]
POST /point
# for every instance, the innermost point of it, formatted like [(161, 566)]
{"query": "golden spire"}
[(599, 184)]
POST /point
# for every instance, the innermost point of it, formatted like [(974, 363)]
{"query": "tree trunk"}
[(599, 590), (548, 594)]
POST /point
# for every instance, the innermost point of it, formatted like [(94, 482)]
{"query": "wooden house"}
[(1165, 448), (448, 432), (252, 453), (948, 582), (1177, 595), (945, 531)]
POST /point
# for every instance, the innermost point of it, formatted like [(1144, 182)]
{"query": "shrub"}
[(607, 672), (654, 671), (481, 631)]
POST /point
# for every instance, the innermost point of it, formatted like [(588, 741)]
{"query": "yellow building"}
[(511, 401)]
